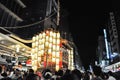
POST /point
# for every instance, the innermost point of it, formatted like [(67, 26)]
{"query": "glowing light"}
[(50, 39), (57, 48), (43, 34), (54, 41), (53, 59), (40, 35), (47, 38), (37, 37), (57, 60), (47, 32), (46, 44), (54, 35), (58, 35), (50, 45), (54, 47), (46, 48), (57, 67), (106, 43), (49, 51), (36, 43), (57, 54), (51, 33), (33, 39), (33, 44), (58, 41)]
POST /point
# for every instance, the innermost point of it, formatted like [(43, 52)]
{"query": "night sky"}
[(86, 20)]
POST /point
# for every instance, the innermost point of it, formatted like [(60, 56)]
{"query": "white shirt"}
[(1, 76), (111, 78), (11, 74)]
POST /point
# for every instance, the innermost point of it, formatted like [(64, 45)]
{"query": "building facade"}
[(10, 11), (113, 29)]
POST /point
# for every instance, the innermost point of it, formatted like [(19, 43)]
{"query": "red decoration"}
[(44, 63), (47, 33), (60, 44), (45, 59), (28, 61), (60, 62)]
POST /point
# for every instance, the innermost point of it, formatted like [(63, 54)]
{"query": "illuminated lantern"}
[(57, 54), (42, 46), (40, 36), (50, 39), (39, 47), (58, 41), (53, 59), (36, 43), (39, 53), (54, 41), (50, 45), (49, 51), (39, 58), (46, 50), (54, 47), (46, 44), (47, 38), (33, 39), (53, 54), (33, 50), (37, 38), (58, 35), (57, 67), (43, 40), (57, 60), (36, 49), (42, 52), (43, 35), (57, 48), (33, 44)]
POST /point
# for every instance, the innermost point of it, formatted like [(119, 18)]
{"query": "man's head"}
[(97, 70)]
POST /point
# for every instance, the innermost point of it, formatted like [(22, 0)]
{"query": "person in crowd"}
[(39, 73), (76, 74), (97, 71), (60, 73), (47, 74), (111, 76), (104, 76), (32, 76), (11, 72), (116, 75), (1, 72), (17, 75), (5, 76), (67, 72), (66, 77), (86, 75), (24, 75), (54, 76)]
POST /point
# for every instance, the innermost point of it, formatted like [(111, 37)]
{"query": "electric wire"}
[(29, 25)]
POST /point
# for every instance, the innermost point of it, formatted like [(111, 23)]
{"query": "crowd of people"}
[(47, 74)]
